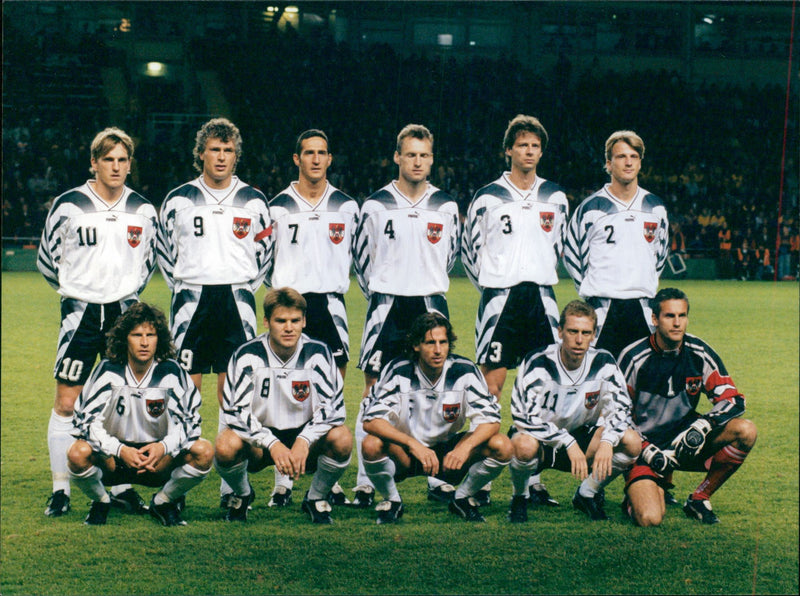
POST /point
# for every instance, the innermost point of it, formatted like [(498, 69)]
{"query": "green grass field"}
[(753, 326)]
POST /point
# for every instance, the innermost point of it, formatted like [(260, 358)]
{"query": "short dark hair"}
[(139, 314), (578, 308), (286, 297), (313, 132), (522, 123), (668, 294), (414, 131), (420, 327)]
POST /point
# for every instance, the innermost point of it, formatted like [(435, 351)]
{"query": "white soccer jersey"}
[(548, 401), (432, 412), (215, 238), (313, 243), (614, 250), (512, 235), (262, 391), (115, 409), (96, 252), (406, 248)]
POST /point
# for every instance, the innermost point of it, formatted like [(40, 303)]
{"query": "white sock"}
[(381, 473), (479, 474), (118, 489), (536, 482), (90, 481), (328, 473), (362, 478), (521, 473), (433, 482), (283, 480), (235, 476), (183, 479), (224, 487), (59, 439), (619, 463)]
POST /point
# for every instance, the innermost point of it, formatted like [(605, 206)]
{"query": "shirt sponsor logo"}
[(650, 231), (546, 219), (451, 412), (301, 390), (155, 407), (592, 397), (241, 227), (134, 236), (434, 232), (693, 385), (336, 232)]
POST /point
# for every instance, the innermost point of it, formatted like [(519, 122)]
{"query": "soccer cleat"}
[(467, 509), (518, 509), (224, 500), (444, 493), (238, 506), (336, 496), (166, 513), (98, 514), (363, 498), (700, 509), (180, 503), (389, 512), (669, 499), (282, 497), (591, 506), (57, 504), (483, 498), (319, 510), (540, 496), (129, 501)]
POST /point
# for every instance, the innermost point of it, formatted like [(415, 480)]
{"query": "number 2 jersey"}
[(549, 402), (96, 252), (114, 408), (406, 248), (313, 243), (215, 237)]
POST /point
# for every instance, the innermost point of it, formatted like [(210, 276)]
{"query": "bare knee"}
[(500, 448), (745, 433), (228, 448), (66, 395), (201, 454), (79, 456), (340, 442), (647, 517), (525, 447), (372, 448), (631, 443)]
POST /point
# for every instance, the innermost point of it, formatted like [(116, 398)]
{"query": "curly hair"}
[(216, 128), (139, 314), (420, 327)]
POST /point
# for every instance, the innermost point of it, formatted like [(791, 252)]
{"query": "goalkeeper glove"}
[(661, 462), (689, 443)]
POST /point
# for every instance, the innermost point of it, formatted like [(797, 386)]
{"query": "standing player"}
[(313, 225), (513, 238), (214, 250), (414, 419), (283, 405), (617, 245), (571, 412), (98, 250), (138, 420), (406, 242), (666, 373)]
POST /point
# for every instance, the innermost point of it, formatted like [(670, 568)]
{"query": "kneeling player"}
[(414, 417), (137, 421), (666, 373), (283, 406), (571, 412)]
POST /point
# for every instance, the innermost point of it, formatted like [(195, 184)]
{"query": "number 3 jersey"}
[(313, 243), (432, 412), (215, 237), (406, 248), (548, 401), (114, 408), (96, 252), (263, 391)]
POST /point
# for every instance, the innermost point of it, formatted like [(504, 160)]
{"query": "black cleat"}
[(57, 504), (224, 500), (238, 506), (669, 498), (336, 496), (444, 493), (282, 497), (591, 506), (700, 510), (539, 497), (98, 514), (180, 503), (467, 509), (166, 513), (129, 501), (483, 498), (389, 512), (363, 498), (518, 509), (319, 510)]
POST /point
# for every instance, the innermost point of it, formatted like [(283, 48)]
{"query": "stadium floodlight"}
[(445, 39), (155, 69)]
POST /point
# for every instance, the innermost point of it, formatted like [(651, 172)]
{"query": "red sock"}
[(720, 467)]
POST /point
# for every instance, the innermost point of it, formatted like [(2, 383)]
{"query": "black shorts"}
[(441, 449), (286, 436), (326, 321), (624, 322), (556, 458)]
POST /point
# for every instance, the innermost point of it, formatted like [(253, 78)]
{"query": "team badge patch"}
[(546, 219), (155, 407), (336, 232), (134, 236), (301, 390), (650, 231), (451, 411), (693, 385), (435, 232), (241, 227), (592, 397)]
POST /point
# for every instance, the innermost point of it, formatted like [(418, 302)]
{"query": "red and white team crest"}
[(435, 232), (451, 412), (155, 407), (693, 385), (546, 219), (592, 397), (241, 227), (336, 232), (650, 231), (301, 390), (134, 236)]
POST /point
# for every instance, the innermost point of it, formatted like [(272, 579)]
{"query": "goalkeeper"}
[(666, 373)]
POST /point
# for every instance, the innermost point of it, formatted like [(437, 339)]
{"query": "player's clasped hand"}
[(601, 465), (580, 468), (427, 457)]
